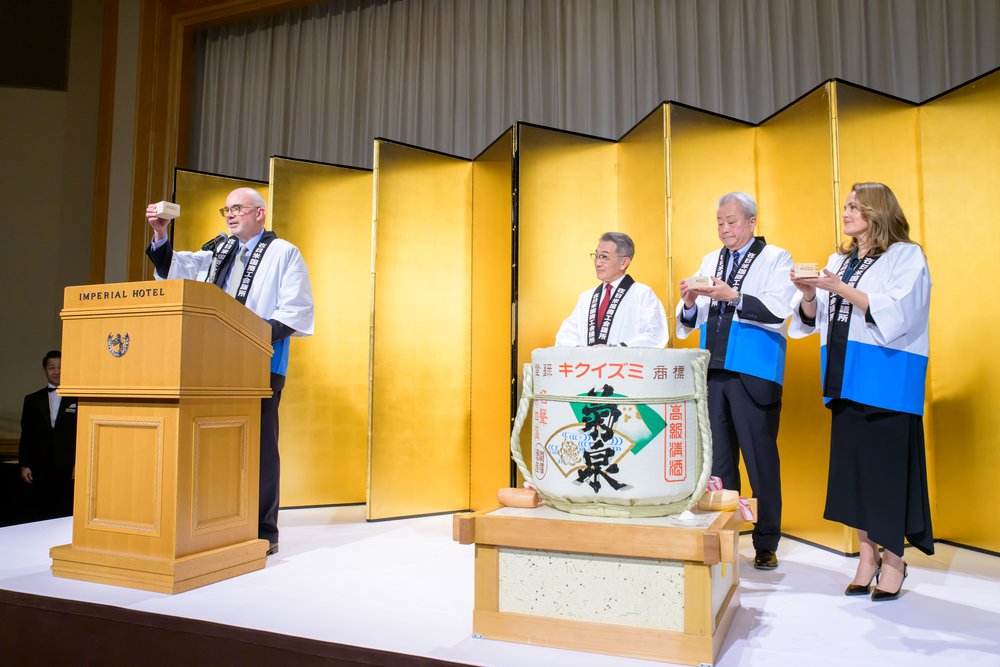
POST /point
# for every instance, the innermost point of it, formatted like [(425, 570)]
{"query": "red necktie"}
[(603, 308)]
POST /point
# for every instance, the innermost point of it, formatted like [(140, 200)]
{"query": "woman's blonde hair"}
[(886, 222)]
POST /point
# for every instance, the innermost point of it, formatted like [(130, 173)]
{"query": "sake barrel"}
[(616, 431)]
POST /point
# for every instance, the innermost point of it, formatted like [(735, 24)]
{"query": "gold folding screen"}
[(642, 199), (876, 139), (960, 175), (419, 456), (796, 157), (709, 156), (456, 240), (567, 198), (492, 316), (326, 211)]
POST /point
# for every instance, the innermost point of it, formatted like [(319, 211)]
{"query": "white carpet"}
[(405, 586)]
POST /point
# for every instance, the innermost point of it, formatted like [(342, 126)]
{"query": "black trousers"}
[(739, 424), (270, 462), (48, 497)]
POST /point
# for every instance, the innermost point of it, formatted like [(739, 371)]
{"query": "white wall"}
[(48, 145)]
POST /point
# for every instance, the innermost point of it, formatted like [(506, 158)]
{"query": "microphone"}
[(213, 244)]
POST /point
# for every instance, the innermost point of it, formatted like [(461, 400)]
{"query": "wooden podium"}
[(169, 376)]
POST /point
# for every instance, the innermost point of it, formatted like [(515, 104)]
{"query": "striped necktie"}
[(732, 271), (729, 280)]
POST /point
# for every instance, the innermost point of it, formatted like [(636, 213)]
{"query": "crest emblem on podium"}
[(117, 344)]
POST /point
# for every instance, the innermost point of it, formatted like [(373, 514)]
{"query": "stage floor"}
[(404, 586)]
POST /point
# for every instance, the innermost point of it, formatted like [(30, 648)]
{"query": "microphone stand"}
[(214, 245)]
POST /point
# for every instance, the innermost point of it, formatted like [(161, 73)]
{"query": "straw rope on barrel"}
[(697, 438)]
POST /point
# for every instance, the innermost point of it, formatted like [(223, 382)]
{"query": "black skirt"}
[(878, 475)]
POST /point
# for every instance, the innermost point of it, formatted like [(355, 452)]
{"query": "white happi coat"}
[(280, 290), (885, 363), (639, 321), (754, 348)]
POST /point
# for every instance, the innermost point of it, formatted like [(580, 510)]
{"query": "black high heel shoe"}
[(883, 596), (865, 589)]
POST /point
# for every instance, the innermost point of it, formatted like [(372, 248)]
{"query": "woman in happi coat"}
[(870, 306)]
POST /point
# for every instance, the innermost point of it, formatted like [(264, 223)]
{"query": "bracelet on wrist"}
[(805, 300)]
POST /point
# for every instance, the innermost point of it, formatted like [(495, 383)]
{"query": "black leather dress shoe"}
[(765, 560), (273, 549)]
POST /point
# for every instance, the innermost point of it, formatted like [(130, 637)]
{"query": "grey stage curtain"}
[(321, 82)]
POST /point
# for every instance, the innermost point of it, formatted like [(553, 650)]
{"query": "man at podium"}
[(267, 275)]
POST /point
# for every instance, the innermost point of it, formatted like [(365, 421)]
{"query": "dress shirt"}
[(54, 400)]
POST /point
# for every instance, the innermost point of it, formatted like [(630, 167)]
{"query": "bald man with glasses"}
[(619, 311), (267, 275)]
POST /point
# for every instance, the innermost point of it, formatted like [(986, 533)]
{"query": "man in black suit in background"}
[(47, 451)]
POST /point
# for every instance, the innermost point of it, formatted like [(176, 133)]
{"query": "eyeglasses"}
[(602, 258), (235, 209)]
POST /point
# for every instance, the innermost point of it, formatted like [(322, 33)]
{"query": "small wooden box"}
[(699, 281), (641, 588), (806, 270), (167, 210)]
